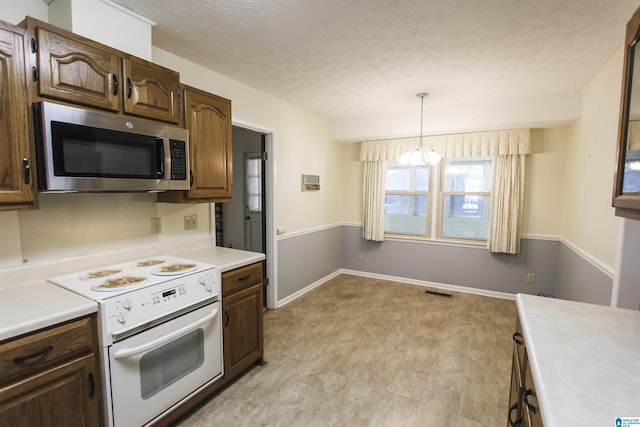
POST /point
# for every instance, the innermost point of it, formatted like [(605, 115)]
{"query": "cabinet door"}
[(242, 329), (208, 119), (150, 90), (63, 396), (531, 408), (77, 70), (16, 176)]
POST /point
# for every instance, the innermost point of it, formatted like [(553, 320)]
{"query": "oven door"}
[(156, 368)]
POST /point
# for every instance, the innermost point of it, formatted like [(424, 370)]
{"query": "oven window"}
[(167, 364)]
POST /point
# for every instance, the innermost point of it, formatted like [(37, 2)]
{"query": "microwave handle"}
[(160, 158), (128, 352)]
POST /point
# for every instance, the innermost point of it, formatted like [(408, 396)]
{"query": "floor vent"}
[(439, 294)]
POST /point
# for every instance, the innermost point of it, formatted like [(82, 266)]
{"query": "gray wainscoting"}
[(579, 280), (305, 259), (472, 267)]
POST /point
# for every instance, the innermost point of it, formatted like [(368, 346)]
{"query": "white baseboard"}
[(442, 286)]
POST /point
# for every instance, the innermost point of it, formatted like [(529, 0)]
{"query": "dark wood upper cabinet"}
[(71, 68), (17, 175), (77, 71), (150, 90), (208, 119), (626, 190)]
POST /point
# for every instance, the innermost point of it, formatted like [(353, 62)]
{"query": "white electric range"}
[(159, 329)]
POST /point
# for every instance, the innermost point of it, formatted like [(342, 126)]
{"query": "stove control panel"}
[(138, 307)]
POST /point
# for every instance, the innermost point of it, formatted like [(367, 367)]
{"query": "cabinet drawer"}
[(241, 278), (40, 350)]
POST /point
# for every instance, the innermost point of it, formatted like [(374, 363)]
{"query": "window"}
[(406, 198), (253, 168), (466, 197), (456, 205)]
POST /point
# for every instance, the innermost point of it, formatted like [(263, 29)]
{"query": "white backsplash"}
[(73, 225)]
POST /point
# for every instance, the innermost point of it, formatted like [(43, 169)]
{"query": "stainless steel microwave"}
[(84, 150)]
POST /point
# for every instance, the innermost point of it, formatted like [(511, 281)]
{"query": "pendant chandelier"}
[(421, 155)]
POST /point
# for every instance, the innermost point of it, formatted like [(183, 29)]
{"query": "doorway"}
[(242, 222)]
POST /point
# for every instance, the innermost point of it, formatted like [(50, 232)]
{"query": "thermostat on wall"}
[(310, 183)]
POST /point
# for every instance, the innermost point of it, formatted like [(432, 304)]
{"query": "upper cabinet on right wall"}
[(626, 189), (208, 119)]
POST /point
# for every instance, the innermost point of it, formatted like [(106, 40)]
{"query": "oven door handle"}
[(127, 352)]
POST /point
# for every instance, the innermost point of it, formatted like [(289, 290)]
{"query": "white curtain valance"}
[(474, 144)]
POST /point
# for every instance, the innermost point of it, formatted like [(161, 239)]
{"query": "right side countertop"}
[(585, 360)]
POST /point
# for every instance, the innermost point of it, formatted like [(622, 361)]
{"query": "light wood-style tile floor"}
[(365, 352)]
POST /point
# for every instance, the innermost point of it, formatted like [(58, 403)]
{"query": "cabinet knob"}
[(518, 338), (129, 88), (516, 422), (528, 392), (115, 84), (26, 171)]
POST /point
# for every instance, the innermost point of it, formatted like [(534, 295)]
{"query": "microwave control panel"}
[(178, 150)]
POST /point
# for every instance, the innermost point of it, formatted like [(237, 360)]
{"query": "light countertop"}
[(27, 307), (585, 360)]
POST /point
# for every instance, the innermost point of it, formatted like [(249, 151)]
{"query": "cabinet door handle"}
[(243, 278), (129, 88), (115, 84), (528, 392), (190, 178), (226, 318), (26, 171), (518, 338), (516, 422), (22, 359), (92, 385)]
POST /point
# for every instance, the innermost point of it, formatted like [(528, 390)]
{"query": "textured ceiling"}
[(351, 58)]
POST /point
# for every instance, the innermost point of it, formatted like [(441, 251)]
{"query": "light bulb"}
[(404, 159), (433, 157), (417, 158)]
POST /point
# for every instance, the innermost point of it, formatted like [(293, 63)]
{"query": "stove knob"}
[(208, 288), (122, 318), (127, 304), (202, 280)]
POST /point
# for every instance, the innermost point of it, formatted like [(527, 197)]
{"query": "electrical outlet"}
[(156, 226), (531, 278), (360, 256), (191, 222)]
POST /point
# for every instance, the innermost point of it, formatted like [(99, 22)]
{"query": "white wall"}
[(544, 184), (589, 222), (104, 23), (300, 139), (13, 12)]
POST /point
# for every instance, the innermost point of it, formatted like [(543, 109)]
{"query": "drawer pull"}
[(528, 392), (518, 339), (243, 278), (516, 422), (226, 318), (22, 359)]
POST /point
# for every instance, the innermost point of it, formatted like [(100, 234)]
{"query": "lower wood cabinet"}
[(242, 318), (524, 410), (50, 377)]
